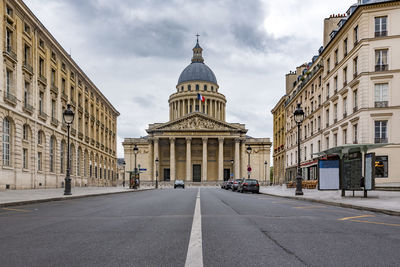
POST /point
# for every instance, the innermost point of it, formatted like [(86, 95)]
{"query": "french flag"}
[(200, 97)]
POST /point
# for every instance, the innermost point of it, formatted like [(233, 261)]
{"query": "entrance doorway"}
[(196, 173), (167, 176), (227, 174)]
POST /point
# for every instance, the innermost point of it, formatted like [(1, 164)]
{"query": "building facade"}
[(349, 91), (39, 78), (279, 156), (197, 144)]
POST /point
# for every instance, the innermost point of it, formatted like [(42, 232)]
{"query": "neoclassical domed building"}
[(197, 144)]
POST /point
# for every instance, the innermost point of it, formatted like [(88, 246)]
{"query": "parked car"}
[(235, 184), (229, 184), (223, 185), (249, 185), (179, 183)]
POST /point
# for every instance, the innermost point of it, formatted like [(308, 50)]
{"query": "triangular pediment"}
[(196, 122)]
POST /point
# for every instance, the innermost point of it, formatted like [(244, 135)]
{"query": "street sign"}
[(249, 169), (142, 170)]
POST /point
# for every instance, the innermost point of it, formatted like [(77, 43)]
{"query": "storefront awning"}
[(350, 148)]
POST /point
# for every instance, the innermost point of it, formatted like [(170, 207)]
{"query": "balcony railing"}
[(382, 67), (87, 139), (80, 135), (92, 118), (355, 74), (42, 115), (10, 98), (344, 115), (28, 67), (10, 53), (381, 104), (97, 144), (73, 103), (355, 109), (42, 79), (381, 140), (73, 131), (64, 96), (344, 83), (54, 121), (92, 141), (86, 113), (380, 33), (54, 89), (28, 107)]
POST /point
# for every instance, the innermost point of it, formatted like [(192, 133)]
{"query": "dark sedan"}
[(249, 185)]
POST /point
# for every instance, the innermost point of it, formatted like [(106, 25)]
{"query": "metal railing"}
[(10, 98), (381, 140), (42, 79), (380, 33), (382, 67)]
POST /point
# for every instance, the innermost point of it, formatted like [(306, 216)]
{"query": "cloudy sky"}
[(135, 50)]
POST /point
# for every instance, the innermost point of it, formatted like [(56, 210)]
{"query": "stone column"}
[(156, 155), (172, 158), (204, 171), (150, 162), (244, 158), (220, 159), (188, 159), (237, 158)]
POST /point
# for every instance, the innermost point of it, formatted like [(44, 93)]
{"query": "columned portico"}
[(204, 171)]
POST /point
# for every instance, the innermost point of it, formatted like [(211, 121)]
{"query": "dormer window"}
[(205, 87), (189, 88), (197, 87)]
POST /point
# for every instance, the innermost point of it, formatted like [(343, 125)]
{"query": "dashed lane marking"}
[(355, 217)]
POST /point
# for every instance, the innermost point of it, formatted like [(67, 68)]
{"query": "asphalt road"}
[(153, 228)]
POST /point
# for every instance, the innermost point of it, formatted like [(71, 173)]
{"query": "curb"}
[(338, 204), (27, 202)]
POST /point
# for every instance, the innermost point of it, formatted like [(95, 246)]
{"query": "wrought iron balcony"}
[(381, 104), (382, 67), (80, 135), (380, 33), (10, 54), (10, 98), (42, 79), (54, 89), (344, 83), (28, 108), (42, 115), (54, 121), (64, 96), (87, 139), (381, 140), (28, 67)]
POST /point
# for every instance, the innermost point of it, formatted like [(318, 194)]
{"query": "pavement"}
[(387, 202), (29, 196), (163, 227)]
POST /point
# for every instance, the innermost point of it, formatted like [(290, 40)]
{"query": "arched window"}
[(197, 87), (6, 142), (189, 88), (52, 154), (62, 157), (205, 87)]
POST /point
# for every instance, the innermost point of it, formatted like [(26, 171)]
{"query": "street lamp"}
[(123, 182), (248, 166), (68, 117), (233, 172), (157, 161), (298, 118), (135, 151), (266, 172)]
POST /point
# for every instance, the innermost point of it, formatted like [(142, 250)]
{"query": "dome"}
[(197, 71)]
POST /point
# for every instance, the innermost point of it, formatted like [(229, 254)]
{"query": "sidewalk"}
[(29, 196), (377, 201)]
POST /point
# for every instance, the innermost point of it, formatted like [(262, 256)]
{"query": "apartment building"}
[(348, 91), (39, 79)]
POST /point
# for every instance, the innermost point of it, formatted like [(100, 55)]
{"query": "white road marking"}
[(194, 257)]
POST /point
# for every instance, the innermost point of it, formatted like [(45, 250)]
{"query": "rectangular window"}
[(25, 158), (311, 151), (336, 57), (381, 132), (344, 76), (9, 40), (63, 85), (53, 77), (345, 47), (381, 26), (381, 60), (355, 35), (41, 66), (327, 91), (327, 142), (344, 107), (355, 133), (328, 65), (41, 102), (335, 112), (305, 152), (381, 166), (381, 95), (39, 161), (355, 101), (197, 108), (319, 146), (53, 109), (355, 67), (335, 83), (27, 52), (8, 81), (345, 136)]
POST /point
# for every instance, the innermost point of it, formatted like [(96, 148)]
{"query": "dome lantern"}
[(197, 52)]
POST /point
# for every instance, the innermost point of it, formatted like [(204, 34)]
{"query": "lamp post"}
[(232, 162), (248, 166), (68, 117), (123, 181), (157, 161), (298, 118), (266, 171), (135, 151)]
